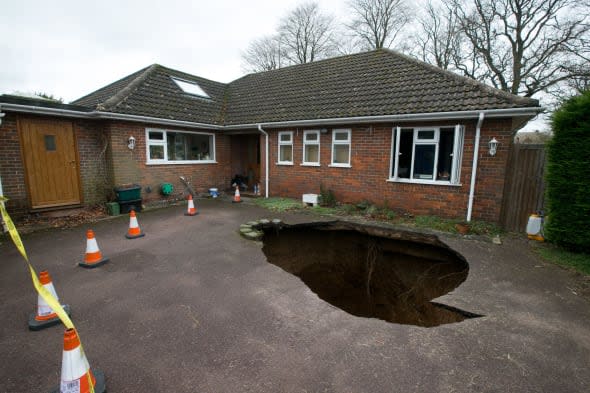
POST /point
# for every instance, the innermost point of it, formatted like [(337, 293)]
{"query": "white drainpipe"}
[(2, 203), (265, 160), (474, 167)]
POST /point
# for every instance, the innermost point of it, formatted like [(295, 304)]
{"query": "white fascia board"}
[(490, 113), (511, 112)]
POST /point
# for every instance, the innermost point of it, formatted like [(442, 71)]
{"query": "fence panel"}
[(525, 186)]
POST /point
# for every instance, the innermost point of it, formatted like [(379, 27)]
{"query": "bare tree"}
[(377, 23), (263, 54), (306, 34), (440, 40), (525, 46)]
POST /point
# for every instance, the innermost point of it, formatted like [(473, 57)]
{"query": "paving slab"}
[(195, 307)]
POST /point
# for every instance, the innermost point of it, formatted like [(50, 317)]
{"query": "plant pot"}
[(463, 228)]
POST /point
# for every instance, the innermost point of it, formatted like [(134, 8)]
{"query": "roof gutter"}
[(157, 120), (38, 110), (266, 159), (474, 166), (489, 113)]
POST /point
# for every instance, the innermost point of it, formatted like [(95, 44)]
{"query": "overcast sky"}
[(70, 48)]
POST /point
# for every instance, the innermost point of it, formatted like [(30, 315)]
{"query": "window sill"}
[(180, 162), (340, 166), (310, 164), (284, 163), (429, 182)]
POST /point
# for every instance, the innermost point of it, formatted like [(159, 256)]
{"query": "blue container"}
[(213, 192)]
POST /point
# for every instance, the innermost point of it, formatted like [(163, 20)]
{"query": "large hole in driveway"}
[(371, 271)]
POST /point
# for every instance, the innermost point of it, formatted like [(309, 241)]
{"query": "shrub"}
[(568, 175), (327, 197)]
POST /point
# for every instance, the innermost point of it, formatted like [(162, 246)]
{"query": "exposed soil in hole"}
[(370, 271)]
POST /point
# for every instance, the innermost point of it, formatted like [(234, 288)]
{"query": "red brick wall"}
[(370, 161), (92, 143), (12, 170), (95, 182), (129, 166)]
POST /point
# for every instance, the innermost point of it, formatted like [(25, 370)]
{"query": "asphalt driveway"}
[(193, 307)]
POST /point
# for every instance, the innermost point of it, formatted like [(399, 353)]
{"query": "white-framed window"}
[(179, 147), (430, 155), (286, 147), (341, 147), (311, 148)]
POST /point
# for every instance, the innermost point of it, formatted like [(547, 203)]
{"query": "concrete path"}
[(193, 307)]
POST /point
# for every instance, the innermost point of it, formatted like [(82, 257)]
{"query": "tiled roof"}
[(152, 92), (379, 82)]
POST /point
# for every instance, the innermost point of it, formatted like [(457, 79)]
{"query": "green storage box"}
[(128, 193), (113, 208)]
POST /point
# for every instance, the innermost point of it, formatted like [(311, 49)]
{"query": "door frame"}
[(32, 118)]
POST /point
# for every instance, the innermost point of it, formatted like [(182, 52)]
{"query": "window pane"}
[(50, 143), (341, 154), (405, 153), (156, 152), (341, 135), (424, 161), (285, 138), (156, 136), (176, 147), (312, 136), (312, 153), (444, 167), (426, 134), (285, 153), (189, 147)]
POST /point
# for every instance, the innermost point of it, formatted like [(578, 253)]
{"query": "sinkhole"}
[(371, 271)]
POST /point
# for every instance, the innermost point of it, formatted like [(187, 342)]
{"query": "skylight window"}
[(191, 88)]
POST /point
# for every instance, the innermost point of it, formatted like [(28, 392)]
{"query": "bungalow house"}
[(376, 126)]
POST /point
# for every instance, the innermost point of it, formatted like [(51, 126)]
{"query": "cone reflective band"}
[(134, 232), (45, 312), (76, 375), (237, 198), (45, 316), (93, 257), (191, 210)]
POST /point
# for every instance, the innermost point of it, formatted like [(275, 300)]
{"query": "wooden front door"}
[(51, 164)]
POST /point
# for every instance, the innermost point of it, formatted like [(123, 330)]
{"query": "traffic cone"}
[(93, 257), (76, 374), (45, 316), (192, 211), (134, 232), (237, 198)]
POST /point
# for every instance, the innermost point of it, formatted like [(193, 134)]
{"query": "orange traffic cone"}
[(45, 316), (76, 374), (134, 232), (237, 198), (93, 257), (192, 211)]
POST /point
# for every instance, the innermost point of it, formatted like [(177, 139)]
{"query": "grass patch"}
[(559, 256), (448, 225), (326, 211), (279, 204)]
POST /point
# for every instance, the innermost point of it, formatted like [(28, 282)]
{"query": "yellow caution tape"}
[(45, 294)]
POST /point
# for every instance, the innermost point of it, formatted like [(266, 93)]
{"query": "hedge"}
[(568, 175)]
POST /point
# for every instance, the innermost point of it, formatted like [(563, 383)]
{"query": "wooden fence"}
[(524, 189)]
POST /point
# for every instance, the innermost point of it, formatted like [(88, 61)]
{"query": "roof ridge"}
[(120, 96), (464, 79), (302, 65)]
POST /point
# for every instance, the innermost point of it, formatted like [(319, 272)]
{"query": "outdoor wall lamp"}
[(1, 116), (131, 143), (323, 130), (493, 145)]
